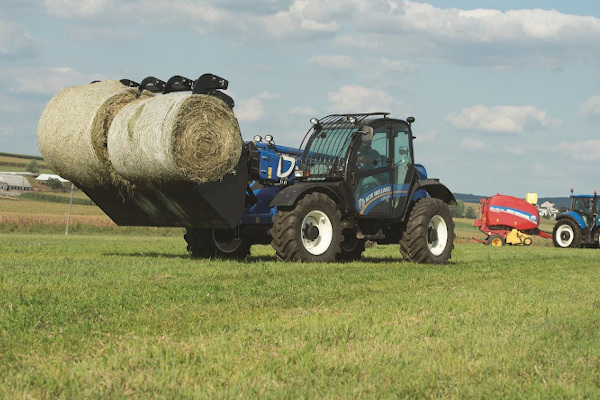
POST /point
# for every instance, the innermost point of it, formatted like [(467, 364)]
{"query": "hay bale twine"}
[(175, 137), (73, 127)]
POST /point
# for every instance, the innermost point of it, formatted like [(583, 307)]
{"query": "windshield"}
[(582, 205), (326, 151)]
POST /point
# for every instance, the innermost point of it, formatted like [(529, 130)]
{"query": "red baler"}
[(507, 219)]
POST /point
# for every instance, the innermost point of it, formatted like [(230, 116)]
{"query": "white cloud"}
[(360, 41), (588, 150), (472, 144), (334, 62), (94, 33), (590, 110), (15, 40), (42, 80), (395, 65), (268, 96), (303, 111), (502, 119), (429, 137), (77, 8), (355, 98), (530, 38), (249, 110)]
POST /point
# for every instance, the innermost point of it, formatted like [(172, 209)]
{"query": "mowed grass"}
[(134, 317)]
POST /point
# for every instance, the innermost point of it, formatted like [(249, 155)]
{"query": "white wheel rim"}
[(320, 220), (227, 246), (438, 224), (567, 230)]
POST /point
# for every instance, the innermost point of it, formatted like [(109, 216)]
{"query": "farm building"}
[(14, 182), (548, 209), (43, 178)]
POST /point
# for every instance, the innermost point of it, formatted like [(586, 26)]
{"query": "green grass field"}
[(110, 316)]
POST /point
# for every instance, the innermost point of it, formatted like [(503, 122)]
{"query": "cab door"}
[(371, 172), (403, 168)]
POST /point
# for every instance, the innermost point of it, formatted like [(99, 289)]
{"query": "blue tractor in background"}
[(352, 179), (578, 227)]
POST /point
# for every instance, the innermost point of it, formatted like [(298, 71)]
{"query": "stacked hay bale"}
[(72, 131), (175, 137), (107, 134)]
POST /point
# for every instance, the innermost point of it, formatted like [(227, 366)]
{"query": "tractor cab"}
[(372, 154), (584, 205)]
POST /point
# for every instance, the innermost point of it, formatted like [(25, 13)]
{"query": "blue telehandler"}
[(353, 179)]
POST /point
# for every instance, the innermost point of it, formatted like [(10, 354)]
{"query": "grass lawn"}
[(111, 316)]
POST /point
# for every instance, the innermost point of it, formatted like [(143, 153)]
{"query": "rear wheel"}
[(310, 232), (352, 247), (496, 240), (200, 242), (566, 233), (429, 234), (527, 241), (228, 244)]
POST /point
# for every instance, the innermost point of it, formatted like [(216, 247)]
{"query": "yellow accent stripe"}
[(381, 195)]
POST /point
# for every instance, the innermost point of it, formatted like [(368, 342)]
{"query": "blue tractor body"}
[(275, 171)]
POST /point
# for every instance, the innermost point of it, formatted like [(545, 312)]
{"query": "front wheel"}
[(310, 232), (429, 234), (566, 233)]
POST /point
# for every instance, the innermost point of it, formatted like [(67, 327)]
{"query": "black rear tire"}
[(200, 242), (310, 232), (429, 234), (352, 247), (566, 233), (228, 246)]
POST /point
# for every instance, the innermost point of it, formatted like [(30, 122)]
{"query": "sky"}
[(506, 94)]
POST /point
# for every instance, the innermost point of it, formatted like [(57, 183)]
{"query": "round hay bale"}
[(175, 137), (73, 127)]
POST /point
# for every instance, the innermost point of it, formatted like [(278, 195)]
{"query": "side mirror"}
[(367, 133)]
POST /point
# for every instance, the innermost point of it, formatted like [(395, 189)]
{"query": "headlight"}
[(257, 138), (352, 119), (269, 139), (314, 121)]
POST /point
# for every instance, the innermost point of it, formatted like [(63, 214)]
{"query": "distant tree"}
[(470, 212), (458, 210), (32, 167), (54, 184)]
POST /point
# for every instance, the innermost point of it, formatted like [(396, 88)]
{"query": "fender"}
[(289, 196), (572, 215), (436, 190)]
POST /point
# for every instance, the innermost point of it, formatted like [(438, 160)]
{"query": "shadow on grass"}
[(250, 259), (151, 254)]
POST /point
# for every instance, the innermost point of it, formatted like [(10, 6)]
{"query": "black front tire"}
[(310, 232), (566, 233), (429, 234)]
